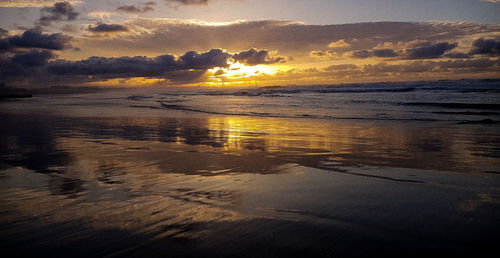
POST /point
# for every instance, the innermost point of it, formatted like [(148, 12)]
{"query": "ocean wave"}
[(138, 97), (278, 115), (467, 113), (455, 105), (482, 122)]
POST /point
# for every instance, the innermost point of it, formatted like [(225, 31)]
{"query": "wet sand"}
[(137, 183)]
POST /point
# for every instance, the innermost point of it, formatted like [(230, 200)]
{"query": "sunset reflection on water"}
[(168, 179)]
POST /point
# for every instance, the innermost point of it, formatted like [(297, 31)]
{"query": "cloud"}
[(31, 3), (205, 61), (486, 47), (256, 57), (385, 53), (33, 38), (61, 11), (188, 2), (339, 44), (136, 9), (107, 28), (3, 32), (407, 49), (70, 28), (491, 1), (25, 56), (459, 66), (33, 58), (412, 50), (140, 66), (429, 51), (340, 67), (290, 38), (457, 55), (328, 54), (121, 67)]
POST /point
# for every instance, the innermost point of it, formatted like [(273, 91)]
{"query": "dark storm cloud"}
[(135, 9), (384, 53), (256, 57), (23, 65), (121, 67), (139, 66), (429, 51), (34, 38), (62, 11), (204, 61), (25, 56), (33, 58), (486, 47), (107, 28)]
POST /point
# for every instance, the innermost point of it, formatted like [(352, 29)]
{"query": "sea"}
[(347, 170)]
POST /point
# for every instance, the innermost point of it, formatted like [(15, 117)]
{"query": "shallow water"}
[(118, 173)]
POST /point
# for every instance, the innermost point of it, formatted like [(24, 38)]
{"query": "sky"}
[(245, 42)]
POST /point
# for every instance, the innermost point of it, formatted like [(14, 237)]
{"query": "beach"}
[(240, 173)]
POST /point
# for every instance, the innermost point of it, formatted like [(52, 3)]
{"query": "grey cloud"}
[(62, 11), (423, 50), (34, 38), (362, 54), (458, 66), (135, 9), (471, 64), (255, 57), (287, 37), (139, 66), (3, 32), (207, 60), (429, 51), (486, 47), (188, 2), (384, 53), (121, 67), (375, 53), (23, 65), (457, 55), (70, 28), (341, 67), (186, 76), (219, 72), (107, 28), (25, 56), (33, 58)]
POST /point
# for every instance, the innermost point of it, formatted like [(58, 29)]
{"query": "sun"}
[(238, 70)]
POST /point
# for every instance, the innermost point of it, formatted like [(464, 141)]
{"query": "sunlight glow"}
[(241, 74), (238, 70)]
